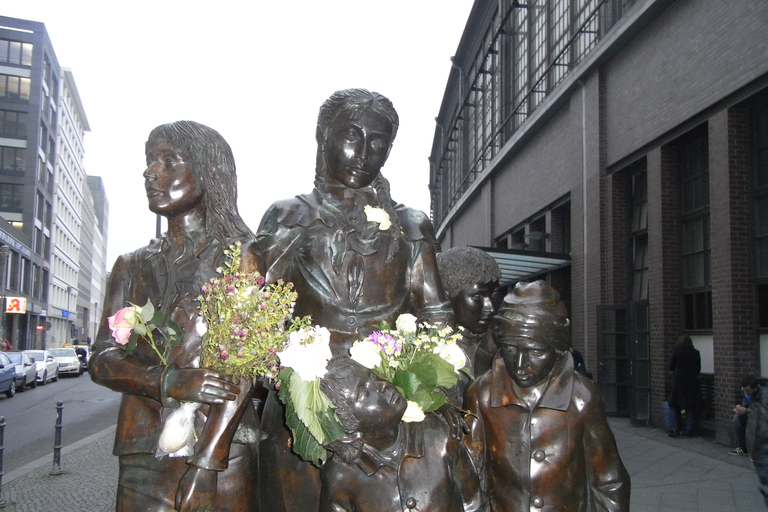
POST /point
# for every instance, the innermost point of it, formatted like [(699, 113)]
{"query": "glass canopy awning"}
[(520, 265)]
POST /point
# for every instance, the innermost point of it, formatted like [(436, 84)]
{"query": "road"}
[(30, 417)]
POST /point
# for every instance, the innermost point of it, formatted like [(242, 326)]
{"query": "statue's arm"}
[(608, 478), (212, 448), (467, 479), (429, 300), (474, 440), (109, 365)]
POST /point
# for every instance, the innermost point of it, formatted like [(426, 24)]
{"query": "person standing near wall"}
[(686, 394)]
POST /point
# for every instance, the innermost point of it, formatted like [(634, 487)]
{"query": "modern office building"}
[(619, 149), (29, 91), (50, 221)]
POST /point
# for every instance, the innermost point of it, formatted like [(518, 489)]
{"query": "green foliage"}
[(309, 415)]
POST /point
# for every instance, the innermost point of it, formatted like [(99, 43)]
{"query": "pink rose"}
[(122, 323)]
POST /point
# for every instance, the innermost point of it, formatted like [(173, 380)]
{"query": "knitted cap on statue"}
[(534, 310)]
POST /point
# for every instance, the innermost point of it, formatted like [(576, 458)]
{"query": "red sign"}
[(16, 305)]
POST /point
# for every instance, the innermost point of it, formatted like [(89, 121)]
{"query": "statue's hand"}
[(198, 385), (456, 423), (197, 490)]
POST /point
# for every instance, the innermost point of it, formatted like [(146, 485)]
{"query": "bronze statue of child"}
[(190, 180), (384, 464), (539, 428), (355, 257), (471, 280)]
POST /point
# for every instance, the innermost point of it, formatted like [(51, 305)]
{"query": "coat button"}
[(539, 455), (410, 503), (351, 320), (538, 502)]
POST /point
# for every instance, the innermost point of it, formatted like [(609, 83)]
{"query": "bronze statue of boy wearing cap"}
[(539, 428)]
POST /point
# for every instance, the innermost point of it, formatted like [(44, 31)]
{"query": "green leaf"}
[(438, 400), (158, 318), (131, 345), (426, 373), (140, 330), (304, 443), (444, 373), (407, 382), (469, 372), (147, 312)]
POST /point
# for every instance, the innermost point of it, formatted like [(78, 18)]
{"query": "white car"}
[(26, 372), (68, 361), (47, 367)]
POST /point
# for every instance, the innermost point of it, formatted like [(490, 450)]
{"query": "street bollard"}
[(2, 448), (56, 469)]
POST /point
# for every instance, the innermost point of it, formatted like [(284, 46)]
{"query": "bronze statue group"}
[(526, 433)]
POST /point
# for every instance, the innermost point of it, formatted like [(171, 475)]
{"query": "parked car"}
[(7, 376), (26, 372), (47, 367), (69, 363)]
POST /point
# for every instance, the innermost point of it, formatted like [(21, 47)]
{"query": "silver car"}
[(26, 372), (47, 367), (68, 361)]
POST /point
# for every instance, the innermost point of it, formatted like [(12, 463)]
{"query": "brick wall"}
[(732, 259)]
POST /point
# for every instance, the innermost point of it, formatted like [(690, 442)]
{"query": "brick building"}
[(619, 149)]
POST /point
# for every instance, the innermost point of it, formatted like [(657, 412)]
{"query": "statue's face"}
[(356, 149), (172, 185), (475, 305), (374, 402), (528, 361)]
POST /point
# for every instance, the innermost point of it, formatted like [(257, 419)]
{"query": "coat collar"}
[(557, 395)]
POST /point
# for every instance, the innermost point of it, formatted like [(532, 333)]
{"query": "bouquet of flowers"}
[(245, 324), (419, 362), (248, 322), (309, 413)]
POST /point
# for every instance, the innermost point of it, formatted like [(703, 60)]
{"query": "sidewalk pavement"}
[(680, 474)]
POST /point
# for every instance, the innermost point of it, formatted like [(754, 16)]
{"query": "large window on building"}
[(519, 58), (16, 52), (639, 235), (760, 164), (693, 161), (15, 87), (11, 160), (13, 124), (11, 195)]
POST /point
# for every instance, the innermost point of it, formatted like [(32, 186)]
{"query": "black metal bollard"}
[(2, 448), (56, 469)]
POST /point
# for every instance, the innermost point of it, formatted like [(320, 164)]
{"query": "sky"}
[(257, 72)]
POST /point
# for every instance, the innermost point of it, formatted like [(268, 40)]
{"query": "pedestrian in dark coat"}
[(686, 393)]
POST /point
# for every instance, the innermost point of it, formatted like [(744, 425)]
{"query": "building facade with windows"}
[(29, 90), (619, 149), (50, 225)]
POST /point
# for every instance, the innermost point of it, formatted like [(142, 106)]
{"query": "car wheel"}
[(34, 383), (23, 386), (45, 378), (12, 390), (80, 372), (55, 376)]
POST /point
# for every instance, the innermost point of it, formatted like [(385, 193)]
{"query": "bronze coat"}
[(560, 456)]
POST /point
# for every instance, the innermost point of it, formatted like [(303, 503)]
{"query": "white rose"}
[(453, 354), (373, 214), (413, 413), (406, 323), (307, 353), (366, 353)]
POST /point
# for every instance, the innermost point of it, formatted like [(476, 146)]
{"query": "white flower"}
[(453, 354), (413, 413), (373, 214), (366, 353), (308, 352), (406, 323)]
